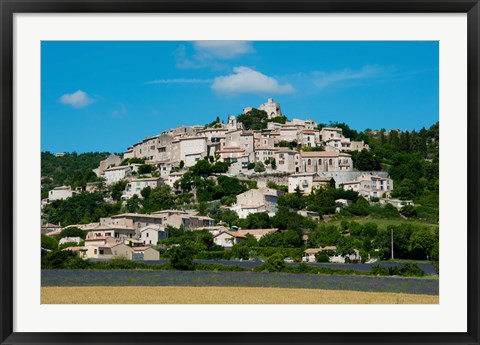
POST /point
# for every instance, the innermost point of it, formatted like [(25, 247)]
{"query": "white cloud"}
[(78, 99), (179, 81), (211, 54), (224, 49), (247, 80), (120, 111), (323, 80)]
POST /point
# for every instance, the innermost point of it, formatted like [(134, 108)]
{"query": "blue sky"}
[(105, 96)]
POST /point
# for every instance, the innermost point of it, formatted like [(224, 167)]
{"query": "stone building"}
[(320, 161)]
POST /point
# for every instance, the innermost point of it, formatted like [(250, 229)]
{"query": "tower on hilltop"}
[(270, 107)]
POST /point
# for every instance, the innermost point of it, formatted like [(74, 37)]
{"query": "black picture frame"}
[(9, 7)]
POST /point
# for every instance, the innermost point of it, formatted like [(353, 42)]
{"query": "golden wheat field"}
[(221, 295)]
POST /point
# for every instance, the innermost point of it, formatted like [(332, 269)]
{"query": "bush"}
[(219, 267), (406, 270), (49, 242), (73, 232), (379, 271), (210, 255), (408, 211), (322, 257), (275, 263), (181, 258), (259, 167), (58, 259), (68, 244)]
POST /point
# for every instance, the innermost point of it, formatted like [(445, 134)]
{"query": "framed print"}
[(254, 172)]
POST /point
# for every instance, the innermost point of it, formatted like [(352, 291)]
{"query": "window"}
[(330, 161), (309, 162), (148, 234), (95, 251), (102, 252), (320, 161)]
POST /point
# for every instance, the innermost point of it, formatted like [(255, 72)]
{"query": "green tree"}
[(365, 161), (230, 217), (73, 232), (49, 242), (408, 211), (160, 198), (254, 119), (275, 263), (259, 167), (117, 189), (181, 257), (145, 169)]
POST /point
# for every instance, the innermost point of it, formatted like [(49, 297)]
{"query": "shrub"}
[(58, 259), (322, 257), (408, 211), (275, 263), (379, 271), (210, 255), (181, 258), (49, 242), (259, 167), (73, 232), (407, 270)]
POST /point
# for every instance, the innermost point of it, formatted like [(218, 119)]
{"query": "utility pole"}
[(391, 236)]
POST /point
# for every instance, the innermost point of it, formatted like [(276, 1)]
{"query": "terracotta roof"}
[(230, 151), (323, 154), (312, 250), (332, 129), (50, 225), (316, 250), (120, 167), (192, 138), (255, 231), (109, 227), (169, 211), (75, 249), (138, 249), (54, 233), (61, 187), (146, 179), (135, 215), (231, 233)]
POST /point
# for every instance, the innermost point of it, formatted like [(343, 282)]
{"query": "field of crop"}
[(62, 278), (221, 295)]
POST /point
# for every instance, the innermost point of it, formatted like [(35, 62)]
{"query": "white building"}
[(271, 108), (256, 200), (370, 186), (135, 186), (61, 193), (306, 182), (228, 239), (322, 161), (150, 235), (118, 173), (192, 149), (174, 177)]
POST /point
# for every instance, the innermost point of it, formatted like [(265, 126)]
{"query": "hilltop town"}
[(249, 168)]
